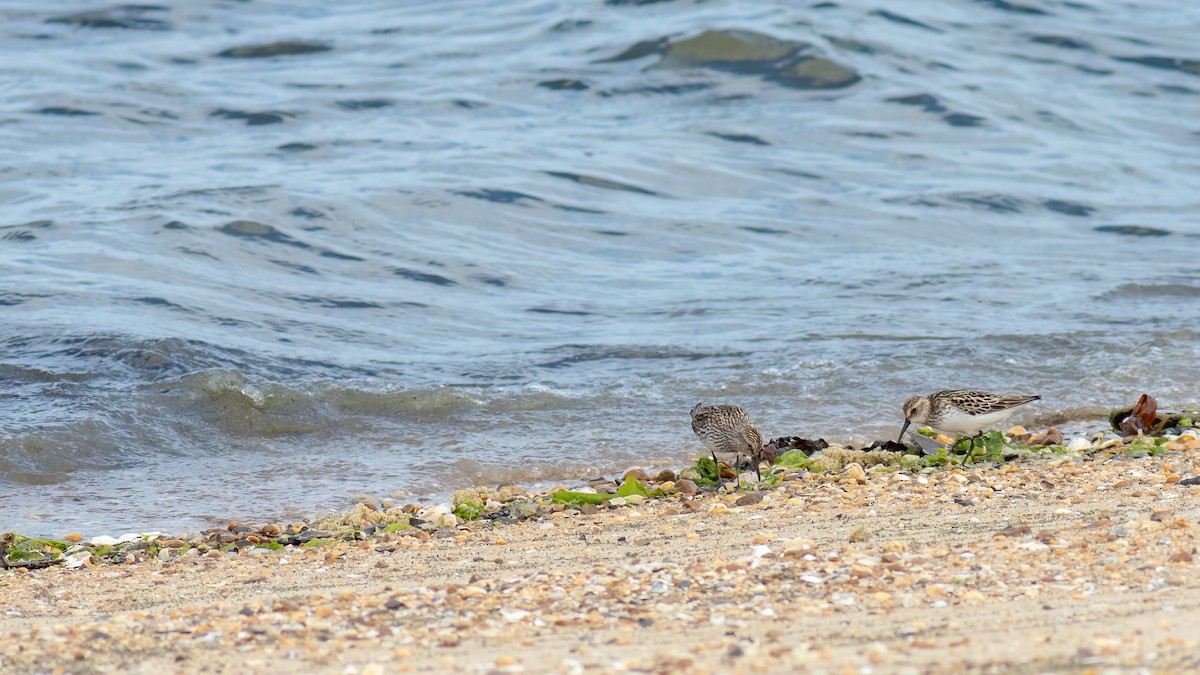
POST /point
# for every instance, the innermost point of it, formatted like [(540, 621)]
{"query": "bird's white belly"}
[(956, 422)]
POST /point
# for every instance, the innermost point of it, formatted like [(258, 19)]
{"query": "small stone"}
[(589, 509), (686, 487), (618, 501), (73, 538), (667, 486), (855, 472), (636, 473), (664, 476), (449, 639), (174, 543), (749, 499), (502, 661), (509, 492)]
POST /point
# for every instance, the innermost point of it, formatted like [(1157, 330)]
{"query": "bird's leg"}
[(971, 450)]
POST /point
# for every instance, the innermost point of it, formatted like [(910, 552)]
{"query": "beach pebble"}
[(855, 472), (664, 476), (1078, 444), (511, 492), (686, 487), (636, 473), (748, 499)]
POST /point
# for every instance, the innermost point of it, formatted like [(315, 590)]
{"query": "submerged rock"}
[(790, 63), (731, 49)]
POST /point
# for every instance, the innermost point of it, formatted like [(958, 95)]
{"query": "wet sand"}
[(1059, 565)]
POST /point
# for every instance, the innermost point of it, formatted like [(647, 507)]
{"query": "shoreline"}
[(1042, 563)]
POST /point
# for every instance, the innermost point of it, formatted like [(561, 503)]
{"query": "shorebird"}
[(961, 411), (727, 429)]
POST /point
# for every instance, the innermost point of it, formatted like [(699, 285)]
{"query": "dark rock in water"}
[(253, 118), (281, 48), (752, 140), (927, 102), (128, 17), (963, 120), (66, 112), (816, 73), (1068, 208), (786, 62), (1189, 66), (639, 51), (1132, 230), (808, 446), (563, 85), (735, 50)]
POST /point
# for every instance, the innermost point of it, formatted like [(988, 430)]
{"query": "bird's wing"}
[(976, 402)]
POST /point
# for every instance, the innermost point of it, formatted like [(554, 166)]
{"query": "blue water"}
[(260, 257)]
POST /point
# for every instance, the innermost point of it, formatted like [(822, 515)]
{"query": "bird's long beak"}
[(902, 430)]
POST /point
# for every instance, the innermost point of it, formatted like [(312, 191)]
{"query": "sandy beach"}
[(1056, 565)]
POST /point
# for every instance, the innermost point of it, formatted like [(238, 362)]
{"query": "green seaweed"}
[(633, 486), (794, 458), (942, 458), (580, 498), (710, 473), (989, 446), (397, 527), (316, 541), (19, 551), (469, 510), (770, 480)]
